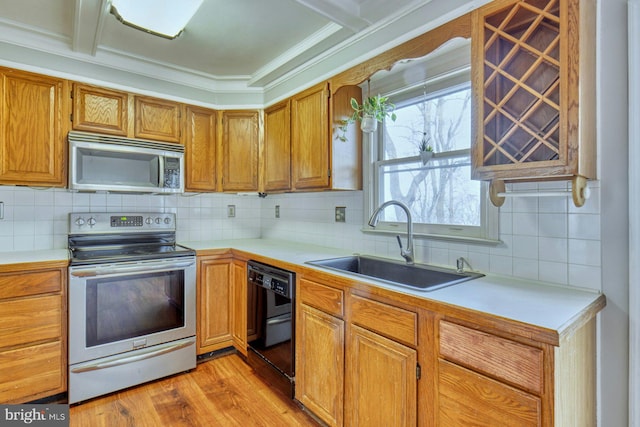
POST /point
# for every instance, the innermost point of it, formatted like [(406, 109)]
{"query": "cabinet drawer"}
[(466, 398), (24, 284), (329, 300), (30, 371), (506, 360), (393, 322), (30, 320)]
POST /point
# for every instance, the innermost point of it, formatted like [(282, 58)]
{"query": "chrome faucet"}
[(460, 262), (373, 221)]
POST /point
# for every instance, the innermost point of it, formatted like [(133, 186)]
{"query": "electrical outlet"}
[(277, 211), (1, 210), (231, 211), (341, 214)]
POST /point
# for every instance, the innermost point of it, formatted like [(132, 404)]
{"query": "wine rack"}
[(534, 90)]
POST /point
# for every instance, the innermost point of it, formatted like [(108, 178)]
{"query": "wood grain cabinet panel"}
[(200, 148), (381, 381), (328, 299), (320, 364), (310, 138), (239, 306), (101, 110), (466, 398), (157, 119), (214, 320), (276, 155), (533, 78), (393, 322), (33, 319), (34, 119), (506, 360), (240, 148)]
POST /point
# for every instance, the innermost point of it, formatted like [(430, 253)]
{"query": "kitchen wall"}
[(37, 218), (546, 239)]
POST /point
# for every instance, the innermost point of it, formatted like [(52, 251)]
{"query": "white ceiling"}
[(256, 50)]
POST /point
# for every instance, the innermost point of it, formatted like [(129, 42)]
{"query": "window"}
[(443, 200)]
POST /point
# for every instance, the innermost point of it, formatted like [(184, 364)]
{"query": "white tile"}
[(501, 265), (552, 225), (553, 272), (525, 247), (584, 252), (585, 276), (525, 268), (584, 226), (525, 224), (552, 249)]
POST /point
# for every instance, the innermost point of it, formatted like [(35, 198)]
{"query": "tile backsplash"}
[(546, 239)]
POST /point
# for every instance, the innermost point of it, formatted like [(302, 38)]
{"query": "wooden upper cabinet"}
[(276, 155), (100, 110), (533, 77), (157, 119), (200, 140), (240, 149), (310, 138), (34, 119)]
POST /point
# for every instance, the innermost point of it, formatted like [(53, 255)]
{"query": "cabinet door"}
[(100, 110), (240, 144), (200, 149), (320, 364), (310, 138), (533, 88), (214, 307), (157, 119), (466, 398), (34, 119), (239, 306), (381, 381), (276, 156)]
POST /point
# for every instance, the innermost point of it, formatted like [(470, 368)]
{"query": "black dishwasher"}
[(271, 324)]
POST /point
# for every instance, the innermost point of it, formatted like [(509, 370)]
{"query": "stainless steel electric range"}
[(131, 302)]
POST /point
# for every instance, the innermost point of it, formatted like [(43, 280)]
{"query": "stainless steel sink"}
[(417, 276)]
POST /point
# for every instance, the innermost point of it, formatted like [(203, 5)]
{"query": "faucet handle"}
[(399, 242)]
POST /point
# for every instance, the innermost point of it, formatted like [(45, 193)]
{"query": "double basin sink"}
[(416, 276)]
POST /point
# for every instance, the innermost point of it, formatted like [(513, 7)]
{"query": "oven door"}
[(124, 306)]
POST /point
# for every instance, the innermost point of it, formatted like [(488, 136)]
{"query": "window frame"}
[(486, 233)]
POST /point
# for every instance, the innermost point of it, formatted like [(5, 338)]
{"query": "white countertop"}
[(549, 306), (540, 304), (19, 257)]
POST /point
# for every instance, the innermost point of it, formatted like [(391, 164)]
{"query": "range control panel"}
[(107, 222)]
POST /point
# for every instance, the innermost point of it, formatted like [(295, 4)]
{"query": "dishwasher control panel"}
[(278, 280)]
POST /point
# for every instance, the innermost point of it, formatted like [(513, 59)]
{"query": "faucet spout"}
[(406, 253)]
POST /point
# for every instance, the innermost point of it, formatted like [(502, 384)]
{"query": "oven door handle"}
[(91, 272), (142, 355)]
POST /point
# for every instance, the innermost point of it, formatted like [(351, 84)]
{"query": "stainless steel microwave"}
[(115, 164)]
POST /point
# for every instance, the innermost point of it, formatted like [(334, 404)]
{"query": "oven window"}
[(131, 306)]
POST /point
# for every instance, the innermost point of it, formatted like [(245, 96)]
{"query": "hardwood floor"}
[(223, 391)]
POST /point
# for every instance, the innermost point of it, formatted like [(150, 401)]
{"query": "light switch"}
[(231, 211)]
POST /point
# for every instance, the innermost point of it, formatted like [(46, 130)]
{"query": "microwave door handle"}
[(161, 171)]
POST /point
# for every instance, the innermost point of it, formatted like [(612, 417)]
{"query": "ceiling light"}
[(164, 18)]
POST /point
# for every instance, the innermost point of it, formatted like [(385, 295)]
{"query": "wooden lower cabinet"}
[(239, 306), (33, 336), (371, 358), (320, 367), (214, 294), (320, 351), (381, 381)]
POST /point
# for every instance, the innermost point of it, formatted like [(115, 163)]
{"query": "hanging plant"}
[(426, 150), (374, 109)]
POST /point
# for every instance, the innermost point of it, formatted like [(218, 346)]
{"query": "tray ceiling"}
[(238, 45)]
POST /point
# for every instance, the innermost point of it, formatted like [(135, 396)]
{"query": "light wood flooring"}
[(224, 391)]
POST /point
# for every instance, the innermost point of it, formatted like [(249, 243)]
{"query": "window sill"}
[(441, 237)]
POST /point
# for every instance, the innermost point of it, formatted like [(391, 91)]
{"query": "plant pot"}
[(368, 124), (425, 156)]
